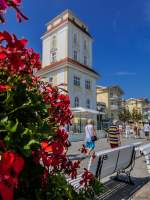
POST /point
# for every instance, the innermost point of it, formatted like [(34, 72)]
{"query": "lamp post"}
[(99, 108), (80, 123)]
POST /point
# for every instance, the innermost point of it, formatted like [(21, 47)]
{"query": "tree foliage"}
[(125, 115), (136, 116)]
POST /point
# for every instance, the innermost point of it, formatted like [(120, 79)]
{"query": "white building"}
[(67, 60)]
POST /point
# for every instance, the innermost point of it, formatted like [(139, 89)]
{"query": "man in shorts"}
[(114, 135)]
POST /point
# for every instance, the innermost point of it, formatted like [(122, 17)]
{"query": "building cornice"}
[(66, 60), (64, 22)]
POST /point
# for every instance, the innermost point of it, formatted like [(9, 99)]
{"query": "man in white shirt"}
[(146, 130)]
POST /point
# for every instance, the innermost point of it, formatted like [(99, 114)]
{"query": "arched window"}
[(88, 103), (76, 102)]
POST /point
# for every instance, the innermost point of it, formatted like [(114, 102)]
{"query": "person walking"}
[(120, 129), (114, 135), (135, 130), (146, 130), (90, 136), (127, 130)]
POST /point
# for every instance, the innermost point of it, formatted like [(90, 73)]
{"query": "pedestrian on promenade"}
[(127, 130), (139, 131), (121, 129), (114, 135), (90, 136), (135, 130), (146, 130)]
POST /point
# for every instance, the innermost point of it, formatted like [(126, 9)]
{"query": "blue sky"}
[(121, 32)]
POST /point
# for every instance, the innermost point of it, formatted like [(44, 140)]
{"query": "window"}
[(85, 45), (53, 56), (88, 103), (87, 84), (111, 94), (85, 60), (51, 80), (75, 39), (53, 43), (75, 55), (76, 81), (76, 102)]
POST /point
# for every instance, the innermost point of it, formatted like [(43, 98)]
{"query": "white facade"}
[(61, 48), (83, 46), (80, 91), (68, 39), (67, 59)]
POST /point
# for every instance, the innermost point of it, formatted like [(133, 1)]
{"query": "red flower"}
[(17, 2), (3, 55), (62, 134), (59, 109), (4, 4), (4, 88), (57, 148), (10, 167), (45, 146), (86, 178), (7, 160), (6, 191), (18, 164), (20, 60), (83, 149), (13, 161), (73, 166)]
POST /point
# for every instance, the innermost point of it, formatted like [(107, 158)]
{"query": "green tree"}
[(125, 115), (136, 116)]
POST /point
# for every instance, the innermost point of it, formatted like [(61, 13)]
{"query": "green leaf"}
[(10, 125), (27, 132), (32, 144)]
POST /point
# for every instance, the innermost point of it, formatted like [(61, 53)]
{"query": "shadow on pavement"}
[(116, 190)]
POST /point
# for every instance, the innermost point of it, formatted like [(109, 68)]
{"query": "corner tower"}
[(67, 59)]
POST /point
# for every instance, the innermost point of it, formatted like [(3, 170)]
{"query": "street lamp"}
[(80, 123), (99, 108)]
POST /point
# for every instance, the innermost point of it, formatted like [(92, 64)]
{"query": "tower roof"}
[(65, 17)]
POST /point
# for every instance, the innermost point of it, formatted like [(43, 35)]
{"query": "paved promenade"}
[(120, 190)]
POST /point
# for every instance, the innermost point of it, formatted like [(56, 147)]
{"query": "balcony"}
[(114, 107), (114, 97)]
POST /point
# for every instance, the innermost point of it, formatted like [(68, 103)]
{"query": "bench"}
[(107, 162), (145, 150), (142, 147)]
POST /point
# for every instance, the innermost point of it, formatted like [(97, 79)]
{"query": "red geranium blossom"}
[(10, 167), (5, 4), (86, 177), (62, 134), (57, 148), (4, 88), (83, 149), (15, 57), (46, 146)]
